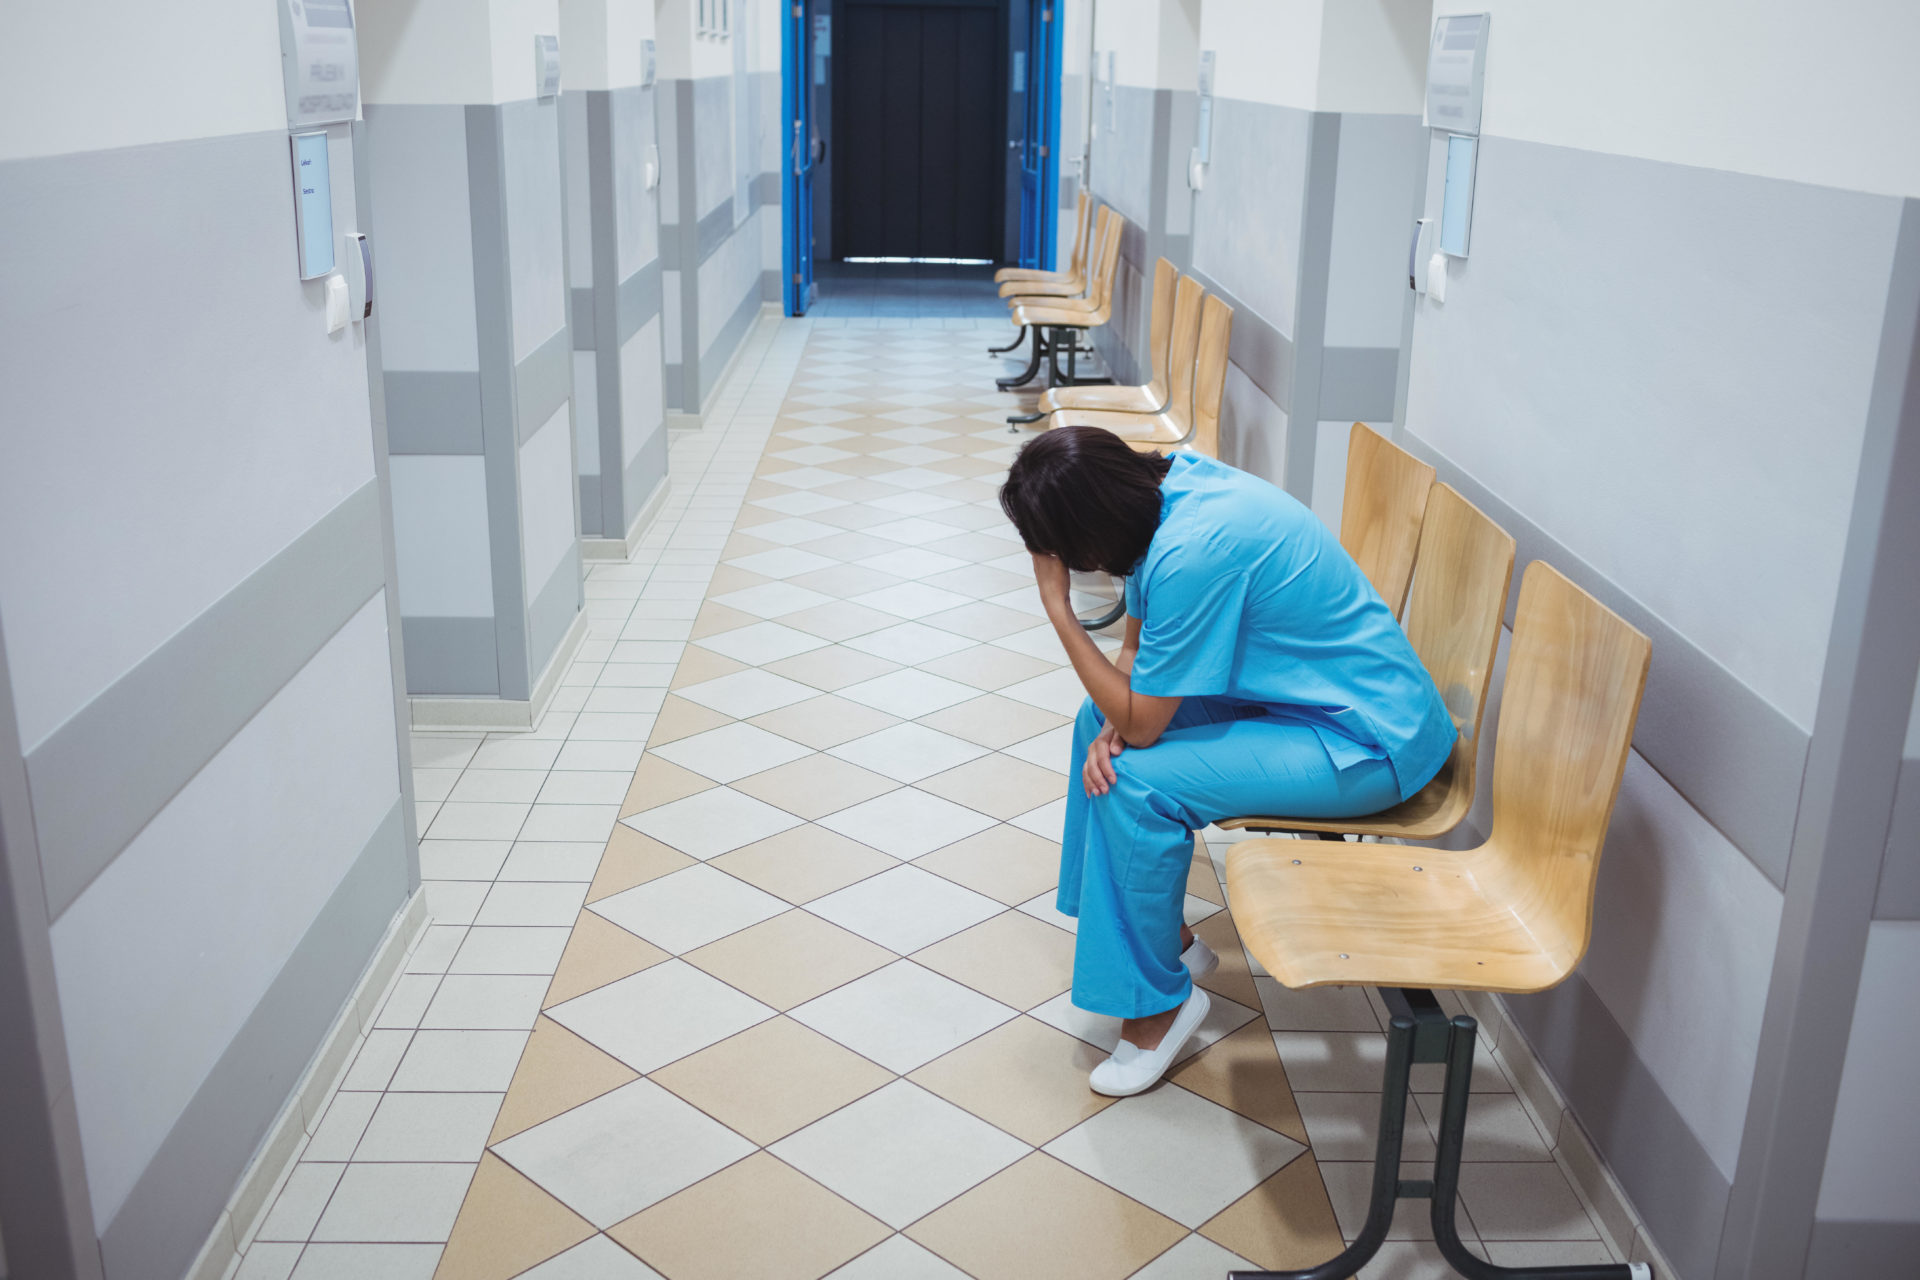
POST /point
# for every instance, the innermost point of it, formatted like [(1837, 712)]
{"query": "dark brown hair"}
[(1084, 495)]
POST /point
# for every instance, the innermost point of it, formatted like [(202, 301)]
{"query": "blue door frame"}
[(796, 175), (1040, 148)]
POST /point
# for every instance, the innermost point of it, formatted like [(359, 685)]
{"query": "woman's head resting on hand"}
[(1084, 495)]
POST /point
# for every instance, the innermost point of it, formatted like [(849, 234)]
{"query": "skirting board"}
[(297, 1120), (1573, 1151), (603, 550), (678, 420), (502, 713)]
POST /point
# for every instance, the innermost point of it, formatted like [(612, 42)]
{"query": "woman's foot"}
[(1148, 1047)]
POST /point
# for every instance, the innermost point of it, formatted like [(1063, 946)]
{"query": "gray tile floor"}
[(905, 290)]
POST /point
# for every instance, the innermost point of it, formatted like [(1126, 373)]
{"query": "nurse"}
[(1261, 673)]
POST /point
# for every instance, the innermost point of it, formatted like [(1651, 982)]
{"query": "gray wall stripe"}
[(382, 470), (44, 1203), (1357, 383), (580, 317), (432, 411), (590, 522), (451, 656), (1310, 307), (1846, 809), (1735, 756), (493, 306), (1259, 350), (639, 300), (1851, 1250), (609, 388), (542, 382), (174, 1204), (152, 729), (687, 222), (715, 229), (1899, 894), (1672, 1181)]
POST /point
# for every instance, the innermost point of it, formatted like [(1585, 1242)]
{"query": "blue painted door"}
[(1040, 148), (796, 175)]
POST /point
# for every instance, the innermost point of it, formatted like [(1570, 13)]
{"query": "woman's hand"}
[(1098, 774), (1052, 578)]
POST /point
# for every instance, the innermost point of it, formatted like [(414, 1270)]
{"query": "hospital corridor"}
[(960, 640)]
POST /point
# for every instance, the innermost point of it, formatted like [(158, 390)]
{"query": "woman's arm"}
[(1138, 718)]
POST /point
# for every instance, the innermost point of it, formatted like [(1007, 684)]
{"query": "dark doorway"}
[(919, 96)]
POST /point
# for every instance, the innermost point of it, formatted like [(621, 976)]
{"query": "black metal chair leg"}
[(1108, 618), (1033, 365), (1018, 338)]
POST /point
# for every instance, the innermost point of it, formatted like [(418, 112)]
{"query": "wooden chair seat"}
[(1427, 814), (1064, 314), (1148, 430), (1076, 262), (1065, 287)]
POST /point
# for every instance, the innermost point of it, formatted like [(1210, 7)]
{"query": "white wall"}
[(685, 55), (1873, 1156), (452, 51), (600, 42), (1820, 93)]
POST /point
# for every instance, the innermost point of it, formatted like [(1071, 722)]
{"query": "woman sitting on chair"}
[(1261, 673)]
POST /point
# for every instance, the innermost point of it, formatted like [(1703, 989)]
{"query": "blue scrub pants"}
[(1124, 855)]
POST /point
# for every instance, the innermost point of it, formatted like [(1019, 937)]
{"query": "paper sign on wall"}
[(1456, 66), (320, 62)]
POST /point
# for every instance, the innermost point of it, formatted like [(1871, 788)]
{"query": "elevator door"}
[(918, 135)]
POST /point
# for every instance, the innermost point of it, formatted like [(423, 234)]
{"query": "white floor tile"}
[(571, 821), (598, 1258), (910, 642), (660, 1015), (908, 752), (453, 901), (905, 909), (795, 530), (911, 562), (511, 949), (732, 752), (531, 903), (762, 642), (902, 1016), (581, 786), (1176, 1152), (911, 600), (899, 1152), (464, 859), (436, 950), (909, 693), (459, 1062), (748, 693), (618, 756), (612, 1157), (368, 1262), (265, 1260), (381, 1203), (553, 860), (1048, 821), (425, 1127), (497, 786), (898, 1258), (408, 1000), (689, 908), (1195, 1258), (300, 1202), (907, 823), (1057, 691), (1224, 1016), (485, 1003), (461, 820), (712, 822), (374, 1063), (1050, 750), (783, 562)]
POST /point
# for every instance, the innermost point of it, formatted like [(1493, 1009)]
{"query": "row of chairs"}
[(1513, 914)]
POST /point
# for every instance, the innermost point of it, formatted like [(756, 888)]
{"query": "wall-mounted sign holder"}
[(649, 64), (1456, 79), (1203, 127), (1456, 72), (319, 61), (312, 203), (546, 66)]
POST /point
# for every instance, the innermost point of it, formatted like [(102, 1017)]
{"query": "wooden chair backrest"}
[(1166, 277), (1575, 673), (1106, 262), (1454, 612), (1210, 376), (1082, 234), (1181, 349), (1386, 497)]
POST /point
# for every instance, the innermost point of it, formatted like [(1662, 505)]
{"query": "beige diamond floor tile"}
[(1285, 1223), (833, 667), (1002, 862), (844, 580), (825, 721), (1233, 979), (772, 1079), (630, 859), (558, 1071), (993, 721), (698, 665), (986, 666), (1201, 880), (759, 1218), (1014, 958), (1043, 1218), (1242, 1072), (998, 785), (714, 619), (739, 576), (1023, 1076), (679, 718), (804, 863), (790, 959), (839, 620), (599, 952), (660, 781), (507, 1225), (815, 785)]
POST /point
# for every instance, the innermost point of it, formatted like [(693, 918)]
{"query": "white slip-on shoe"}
[(1132, 1069), (1199, 958)]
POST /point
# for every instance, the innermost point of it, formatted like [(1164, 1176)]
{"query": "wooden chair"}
[(1513, 915), (1386, 499), (1196, 382), (1151, 398), (1017, 280), (1453, 619), (1057, 320)]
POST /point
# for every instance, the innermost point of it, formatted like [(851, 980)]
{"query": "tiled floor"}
[(783, 996), (922, 290)]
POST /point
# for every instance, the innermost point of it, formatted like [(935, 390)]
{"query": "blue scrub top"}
[(1243, 594)]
